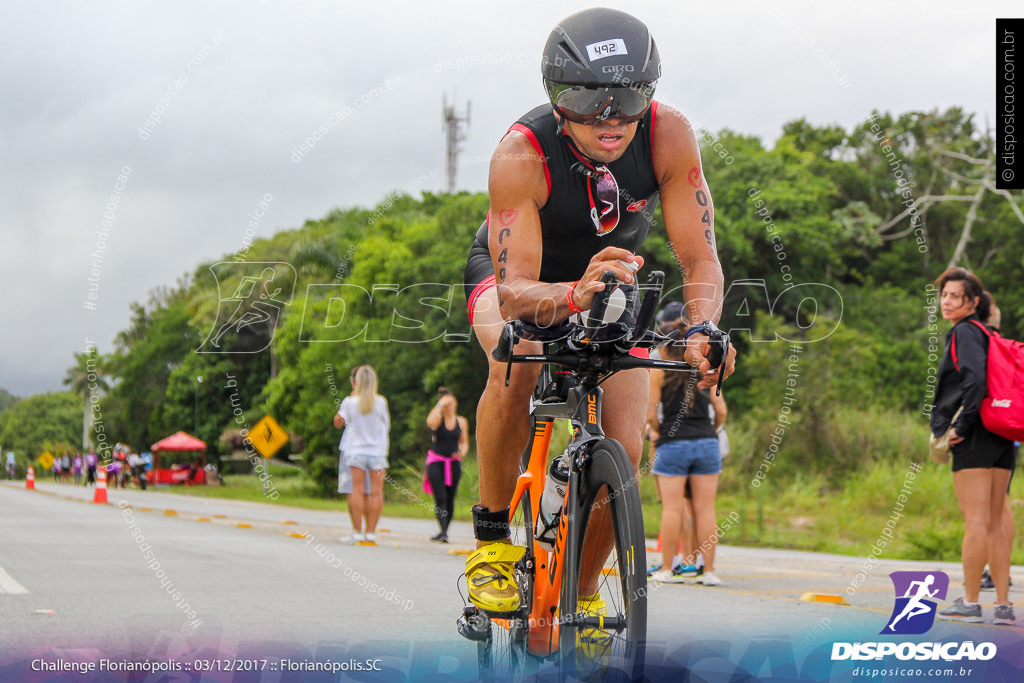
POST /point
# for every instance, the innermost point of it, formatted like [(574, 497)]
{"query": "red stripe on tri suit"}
[(654, 117), (485, 284), (536, 146)]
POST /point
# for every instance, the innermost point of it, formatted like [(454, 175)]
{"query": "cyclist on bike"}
[(573, 186)]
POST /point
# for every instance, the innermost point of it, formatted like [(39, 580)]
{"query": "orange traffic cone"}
[(30, 478), (101, 486), (657, 548)]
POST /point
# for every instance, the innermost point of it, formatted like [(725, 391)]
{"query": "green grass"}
[(791, 509), (294, 491)]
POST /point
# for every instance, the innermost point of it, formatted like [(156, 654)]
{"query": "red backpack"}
[(1002, 411)]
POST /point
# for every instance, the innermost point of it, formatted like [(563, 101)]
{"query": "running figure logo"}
[(247, 319), (917, 594)]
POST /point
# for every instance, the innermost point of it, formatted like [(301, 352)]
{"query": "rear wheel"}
[(503, 656), (610, 647)]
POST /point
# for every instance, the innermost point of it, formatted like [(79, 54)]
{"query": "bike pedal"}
[(473, 624)]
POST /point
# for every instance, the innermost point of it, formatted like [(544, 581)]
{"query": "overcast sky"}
[(230, 90)]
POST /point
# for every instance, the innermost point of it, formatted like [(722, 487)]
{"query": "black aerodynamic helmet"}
[(600, 64)]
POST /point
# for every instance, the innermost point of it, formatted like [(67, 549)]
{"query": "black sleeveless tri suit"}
[(569, 226)]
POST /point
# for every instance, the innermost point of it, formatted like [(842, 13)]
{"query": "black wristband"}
[(490, 526), (707, 327)]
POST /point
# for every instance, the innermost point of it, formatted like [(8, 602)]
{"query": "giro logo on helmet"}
[(606, 48), (618, 68)]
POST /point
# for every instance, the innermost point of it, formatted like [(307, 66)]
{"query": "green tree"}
[(158, 340), (87, 377), (54, 417), (7, 400)]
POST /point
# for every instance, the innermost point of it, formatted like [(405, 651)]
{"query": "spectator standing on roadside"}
[(364, 447), (450, 436), (90, 467), (138, 469), (690, 561), (113, 473), (687, 452), (982, 461), (76, 466)]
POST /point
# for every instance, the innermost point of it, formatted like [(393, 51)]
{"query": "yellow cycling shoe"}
[(593, 645), (490, 574)]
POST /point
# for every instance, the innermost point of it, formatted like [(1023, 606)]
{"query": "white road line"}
[(9, 585)]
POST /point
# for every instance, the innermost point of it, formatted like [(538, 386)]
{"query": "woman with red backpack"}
[(982, 461)]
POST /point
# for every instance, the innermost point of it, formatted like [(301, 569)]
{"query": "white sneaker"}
[(709, 579), (355, 537), (665, 576), (371, 538)]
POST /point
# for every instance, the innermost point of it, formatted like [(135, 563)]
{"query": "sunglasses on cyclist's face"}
[(587, 106)]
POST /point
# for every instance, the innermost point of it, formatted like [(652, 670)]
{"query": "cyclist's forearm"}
[(703, 290), (542, 303)]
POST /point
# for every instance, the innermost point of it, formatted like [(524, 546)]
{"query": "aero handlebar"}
[(604, 347)]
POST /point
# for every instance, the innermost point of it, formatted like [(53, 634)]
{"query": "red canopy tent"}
[(179, 474)]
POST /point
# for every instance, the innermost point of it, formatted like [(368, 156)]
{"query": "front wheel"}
[(605, 567)]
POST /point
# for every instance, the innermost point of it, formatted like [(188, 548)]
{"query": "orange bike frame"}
[(548, 564)]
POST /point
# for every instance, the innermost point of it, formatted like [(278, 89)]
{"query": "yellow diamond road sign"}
[(267, 437), (46, 460)]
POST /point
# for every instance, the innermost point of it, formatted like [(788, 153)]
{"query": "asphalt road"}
[(163, 577)]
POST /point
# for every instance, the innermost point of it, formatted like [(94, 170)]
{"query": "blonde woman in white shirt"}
[(364, 449)]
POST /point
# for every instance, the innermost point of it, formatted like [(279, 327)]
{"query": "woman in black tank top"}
[(687, 456), (444, 469)]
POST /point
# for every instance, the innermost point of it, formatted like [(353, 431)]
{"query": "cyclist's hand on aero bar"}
[(609, 258), (697, 351)]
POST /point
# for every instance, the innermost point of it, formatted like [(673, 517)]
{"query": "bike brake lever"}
[(644, 318), (722, 357), (503, 350)]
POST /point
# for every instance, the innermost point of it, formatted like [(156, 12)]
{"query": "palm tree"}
[(87, 377)]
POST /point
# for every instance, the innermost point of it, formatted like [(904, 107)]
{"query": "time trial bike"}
[(566, 569)]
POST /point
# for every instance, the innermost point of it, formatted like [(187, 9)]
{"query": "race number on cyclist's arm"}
[(518, 189)]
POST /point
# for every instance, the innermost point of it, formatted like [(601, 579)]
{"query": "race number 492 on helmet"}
[(600, 64)]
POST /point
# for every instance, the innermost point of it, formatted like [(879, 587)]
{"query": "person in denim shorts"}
[(982, 461), (686, 452), (364, 447)]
